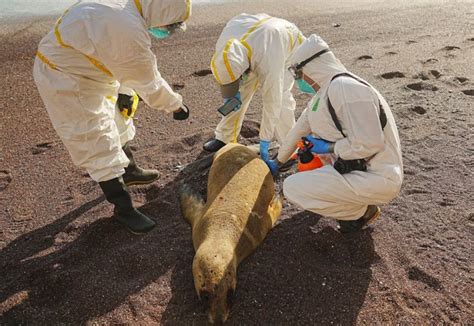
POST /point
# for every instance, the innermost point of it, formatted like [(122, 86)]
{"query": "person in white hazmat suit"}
[(95, 51), (351, 122), (253, 51)]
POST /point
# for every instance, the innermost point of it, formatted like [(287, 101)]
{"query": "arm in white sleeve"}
[(272, 97), (125, 90), (271, 72), (133, 64), (299, 130), (358, 114)]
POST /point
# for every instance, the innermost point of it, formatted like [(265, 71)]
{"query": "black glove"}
[(125, 103), (182, 114)]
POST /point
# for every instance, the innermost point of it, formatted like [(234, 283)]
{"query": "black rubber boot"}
[(135, 175), (371, 214), (213, 145), (116, 192)]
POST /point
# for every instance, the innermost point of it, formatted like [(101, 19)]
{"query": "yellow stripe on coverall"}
[(243, 40), (139, 7), (99, 65), (46, 61), (226, 60)]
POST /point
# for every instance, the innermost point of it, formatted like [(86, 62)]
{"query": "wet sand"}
[(63, 260)]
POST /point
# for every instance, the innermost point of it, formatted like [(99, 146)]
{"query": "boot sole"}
[(141, 232), (373, 218), (137, 183), (135, 232)]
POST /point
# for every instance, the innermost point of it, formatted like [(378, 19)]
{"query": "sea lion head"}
[(215, 271)]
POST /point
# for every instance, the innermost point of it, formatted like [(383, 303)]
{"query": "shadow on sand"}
[(300, 274)]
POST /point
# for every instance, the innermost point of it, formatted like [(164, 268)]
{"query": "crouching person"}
[(349, 120)]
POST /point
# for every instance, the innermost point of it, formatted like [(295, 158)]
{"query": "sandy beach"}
[(63, 260)]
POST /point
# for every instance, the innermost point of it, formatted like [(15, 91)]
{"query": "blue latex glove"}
[(264, 147), (237, 96), (273, 166), (320, 146)]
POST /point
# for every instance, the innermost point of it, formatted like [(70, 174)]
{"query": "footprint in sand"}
[(426, 75), (392, 74), (422, 75), (450, 48), (419, 109), (421, 86), (416, 274), (435, 73), (41, 148), (192, 139), (450, 51), (250, 129), (5, 179), (202, 73), (461, 80), (416, 191), (430, 60), (469, 92), (177, 86), (365, 57), (445, 202)]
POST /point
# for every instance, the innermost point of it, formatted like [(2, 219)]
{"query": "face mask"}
[(305, 87), (159, 32)]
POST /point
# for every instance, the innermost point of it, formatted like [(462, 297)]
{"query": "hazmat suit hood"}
[(159, 13), (322, 68), (228, 64)]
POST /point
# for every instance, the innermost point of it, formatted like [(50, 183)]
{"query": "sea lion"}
[(241, 208)]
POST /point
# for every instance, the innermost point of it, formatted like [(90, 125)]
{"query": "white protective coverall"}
[(264, 44), (324, 191), (94, 49)]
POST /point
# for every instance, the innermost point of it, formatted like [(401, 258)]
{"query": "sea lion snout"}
[(215, 281), (219, 305)]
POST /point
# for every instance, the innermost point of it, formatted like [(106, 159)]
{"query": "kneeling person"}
[(349, 119)]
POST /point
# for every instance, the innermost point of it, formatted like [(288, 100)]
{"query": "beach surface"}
[(63, 260)]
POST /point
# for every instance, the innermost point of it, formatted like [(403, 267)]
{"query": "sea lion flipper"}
[(192, 204), (274, 209)]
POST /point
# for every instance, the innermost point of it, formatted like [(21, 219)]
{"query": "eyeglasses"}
[(296, 70)]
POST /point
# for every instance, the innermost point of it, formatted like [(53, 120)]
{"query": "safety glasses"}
[(296, 70)]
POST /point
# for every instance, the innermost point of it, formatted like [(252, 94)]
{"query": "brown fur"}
[(241, 208)]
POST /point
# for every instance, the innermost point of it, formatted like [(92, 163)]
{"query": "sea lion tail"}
[(192, 204)]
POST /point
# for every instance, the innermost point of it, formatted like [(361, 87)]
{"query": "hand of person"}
[(320, 146), (274, 166), (125, 104), (237, 96), (264, 148), (182, 113)]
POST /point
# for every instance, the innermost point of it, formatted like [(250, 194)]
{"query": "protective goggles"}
[(296, 70)]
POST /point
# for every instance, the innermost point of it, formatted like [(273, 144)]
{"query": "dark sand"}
[(64, 261)]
